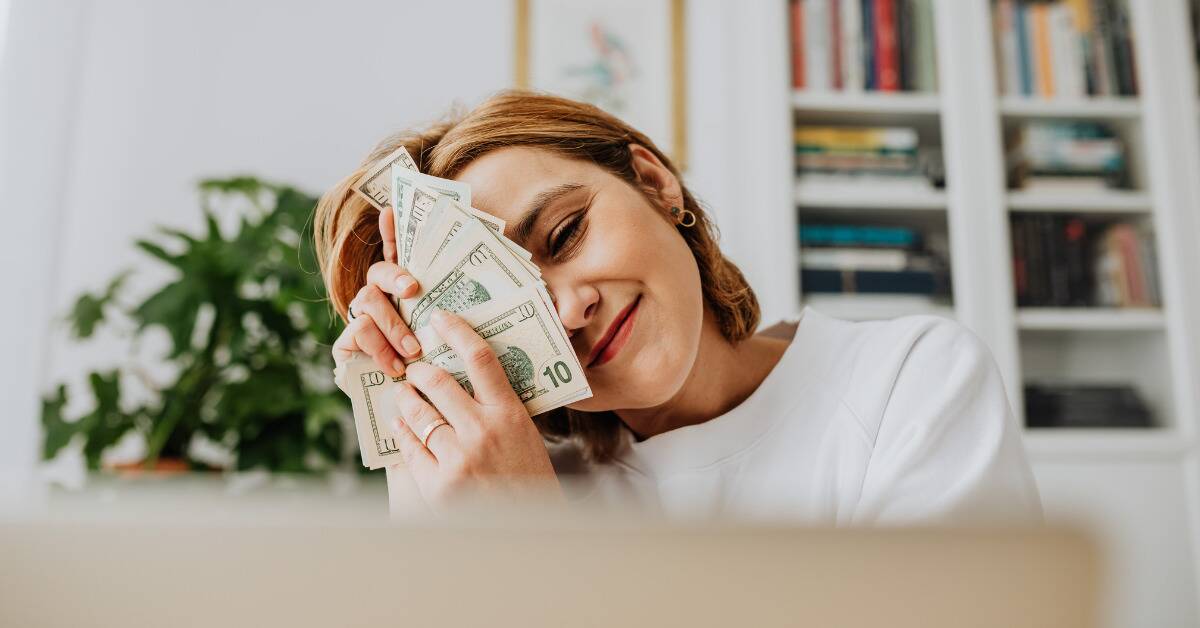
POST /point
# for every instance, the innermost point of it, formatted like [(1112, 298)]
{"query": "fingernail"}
[(398, 364), (411, 347), (439, 316), (403, 284)]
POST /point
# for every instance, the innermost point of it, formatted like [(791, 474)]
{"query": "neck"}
[(723, 375)]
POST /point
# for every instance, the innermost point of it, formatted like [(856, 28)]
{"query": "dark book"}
[(1038, 289), (1075, 243), (1085, 405), (1060, 287), (904, 44), (924, 282), (868, 44), (1127, 69), (1020, 261), (1101, 13)]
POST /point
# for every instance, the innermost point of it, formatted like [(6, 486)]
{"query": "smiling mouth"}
[(614, 339)]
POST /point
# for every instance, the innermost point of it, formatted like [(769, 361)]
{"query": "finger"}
[(418, 415), (373, 343), (375, 304), (416, 457), (345, 346), (445, 393), (387, 229), (392, 279), (484, 370)]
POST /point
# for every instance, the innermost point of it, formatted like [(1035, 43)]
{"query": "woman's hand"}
[(488, 443), (376, 327)]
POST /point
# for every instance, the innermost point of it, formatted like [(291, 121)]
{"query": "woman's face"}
[(624, 281)]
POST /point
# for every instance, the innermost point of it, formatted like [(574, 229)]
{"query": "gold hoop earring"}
[(684, 218)]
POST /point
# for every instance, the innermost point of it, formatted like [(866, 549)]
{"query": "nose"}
[(576, 303)]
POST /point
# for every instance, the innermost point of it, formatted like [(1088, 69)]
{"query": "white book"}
[(818, 58), (852, 61), (850, 258), (1006, 38), (1069, 81)]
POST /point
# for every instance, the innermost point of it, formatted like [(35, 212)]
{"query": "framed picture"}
[(624, 56)]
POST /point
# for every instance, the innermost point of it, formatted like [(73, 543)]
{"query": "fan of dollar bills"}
[(464, 264)]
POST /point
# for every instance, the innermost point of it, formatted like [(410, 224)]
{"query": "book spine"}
[(1081, 22), (1024, 48), (1008, 79), (1102, 44), (869, 53), (1020, 261), (1068, 65), (1150, 264), (1123, 45), (835, 43), (887, 57), (925, 46), (854, 259), (904, 51), (1043, 67), (851, 40), (797, 22), (816, 52)]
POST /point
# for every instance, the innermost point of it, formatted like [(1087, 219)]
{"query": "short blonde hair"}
[(347, 233)]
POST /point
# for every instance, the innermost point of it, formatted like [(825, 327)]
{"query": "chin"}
[(645, 384)]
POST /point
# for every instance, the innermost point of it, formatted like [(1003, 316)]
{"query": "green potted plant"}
[(249, 364)]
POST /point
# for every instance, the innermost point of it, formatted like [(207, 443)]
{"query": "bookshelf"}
[(1156, 349)]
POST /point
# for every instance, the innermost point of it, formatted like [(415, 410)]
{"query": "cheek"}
[(653, 260)]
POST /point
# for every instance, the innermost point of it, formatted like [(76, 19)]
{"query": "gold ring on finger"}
[(428, 431)]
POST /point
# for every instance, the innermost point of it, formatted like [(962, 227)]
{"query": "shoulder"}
[(881, 365), (865, 362)]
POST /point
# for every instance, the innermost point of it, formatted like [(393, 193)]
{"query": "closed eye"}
[(568, 235)]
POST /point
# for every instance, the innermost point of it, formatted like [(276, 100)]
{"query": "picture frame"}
[(624, 56)]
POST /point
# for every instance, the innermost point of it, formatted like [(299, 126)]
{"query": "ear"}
[(651, 172)]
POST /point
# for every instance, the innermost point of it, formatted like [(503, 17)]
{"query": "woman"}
[(816, 420)]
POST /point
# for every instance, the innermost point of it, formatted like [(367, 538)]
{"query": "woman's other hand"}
[(375, 327), (483, 444)]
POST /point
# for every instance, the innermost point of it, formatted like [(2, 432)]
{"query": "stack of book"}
[(869, 259), (1070, 156), (1065, 48), (857, 45), (1068, 261), (888, 155), (1084, 405)]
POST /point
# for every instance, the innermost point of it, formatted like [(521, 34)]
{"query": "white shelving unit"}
[(1136, 487)]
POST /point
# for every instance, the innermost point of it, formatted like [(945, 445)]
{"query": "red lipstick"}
[(615, 337)]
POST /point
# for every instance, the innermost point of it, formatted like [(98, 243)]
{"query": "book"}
[(1008, 66), (1064, 405), (817, 58), (796, 12), (858, 236), (872, 282), (1064, 45), (855, 258), (887, 61), (850, 39), (1043, 69), (924, 60), (1024, 50)]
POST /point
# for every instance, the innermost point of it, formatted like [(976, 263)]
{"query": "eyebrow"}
[(540, 202)]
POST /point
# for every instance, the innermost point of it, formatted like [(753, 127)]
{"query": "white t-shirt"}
[(896, 422)]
